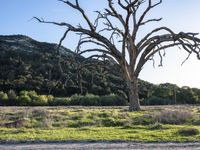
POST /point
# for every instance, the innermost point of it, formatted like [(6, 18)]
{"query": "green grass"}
[(136, 133), (152, 124)]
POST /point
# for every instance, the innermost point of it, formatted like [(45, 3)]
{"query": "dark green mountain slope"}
[(27, 64)]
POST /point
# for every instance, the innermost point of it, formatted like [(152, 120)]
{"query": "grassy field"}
[(152, 124)]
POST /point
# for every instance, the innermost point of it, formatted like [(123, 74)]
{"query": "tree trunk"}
[(133, 95)]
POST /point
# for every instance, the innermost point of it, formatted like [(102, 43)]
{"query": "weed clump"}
[(42, 117), (156, 126), (188, 131), (173, 117), (143, 120)]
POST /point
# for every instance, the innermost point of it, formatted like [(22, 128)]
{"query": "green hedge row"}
[(154, 100), (31, 98)]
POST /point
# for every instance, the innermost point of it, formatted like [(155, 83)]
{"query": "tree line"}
[(163, 94)]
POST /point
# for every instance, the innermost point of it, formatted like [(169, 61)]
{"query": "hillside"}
[(27, 64)]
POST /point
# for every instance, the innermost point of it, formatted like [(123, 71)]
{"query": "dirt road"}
[(102, 146)]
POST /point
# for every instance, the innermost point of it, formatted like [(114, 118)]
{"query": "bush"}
[(188, 131), (24, 100), (87, 100), (43, 118), (40, 100), (23, 93), (3, 98), (173, 117), (156, 126), (32, 94), (12, 97), (143, 120), (59, 101), (31, 98), (112, 100), (27, 98), (50, 98), (157, 101), (76, 99), (90, 100)]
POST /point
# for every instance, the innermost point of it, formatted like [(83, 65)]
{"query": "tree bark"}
[(132, 86)]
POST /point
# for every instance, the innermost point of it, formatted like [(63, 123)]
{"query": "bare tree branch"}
[(94, 50), (77, 7), (92, 34), (139, 23), (150, 20)]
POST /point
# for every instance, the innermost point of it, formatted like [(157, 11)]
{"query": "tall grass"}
[(60, 117)]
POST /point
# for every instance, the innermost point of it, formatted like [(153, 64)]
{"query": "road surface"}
[(101, 146)]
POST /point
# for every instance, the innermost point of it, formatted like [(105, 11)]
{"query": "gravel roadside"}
[(101, 146)]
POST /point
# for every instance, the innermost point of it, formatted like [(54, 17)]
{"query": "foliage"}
[(31, 98), (188, 131), (172, 94), (94, 100), (112, 100), (40, 100), (24, 100), (89, 100), (156, 101), (12, 97), (28, 98), (3, 98), (186, 95), (164, 91), (57, 101)]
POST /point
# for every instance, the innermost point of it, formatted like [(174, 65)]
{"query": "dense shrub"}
[(24, 100), (39, 100), (185, 95), (50, 98), (59, 101), (12, 97), (31, 98), (32, 94), (157, 101), (188, 131), (87, 100), (76, 99), (3, 98), (112, 100), (94, 100)]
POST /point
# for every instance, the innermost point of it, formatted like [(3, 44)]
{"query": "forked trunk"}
[(133, 95)]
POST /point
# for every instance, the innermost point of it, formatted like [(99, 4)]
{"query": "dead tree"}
[(115, 34)]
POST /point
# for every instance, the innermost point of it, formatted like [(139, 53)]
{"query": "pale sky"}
[(179, 15)]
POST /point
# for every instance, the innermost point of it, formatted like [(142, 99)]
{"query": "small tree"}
[(115, 34)]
